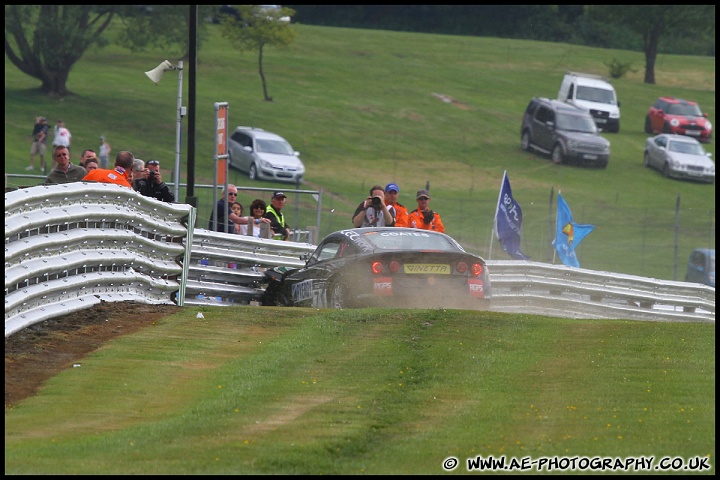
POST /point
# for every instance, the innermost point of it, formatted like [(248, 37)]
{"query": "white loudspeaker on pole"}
[(156, 73)]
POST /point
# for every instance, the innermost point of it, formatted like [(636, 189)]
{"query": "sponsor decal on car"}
[(427, 268), (302, 291), (382, 287), (476, 287)]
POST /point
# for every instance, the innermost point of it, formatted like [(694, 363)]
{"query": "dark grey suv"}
[(563, 131)]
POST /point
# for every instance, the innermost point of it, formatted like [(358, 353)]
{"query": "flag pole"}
[(552, 246), (497, 209)]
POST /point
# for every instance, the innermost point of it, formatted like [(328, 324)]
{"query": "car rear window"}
[(410, 239)]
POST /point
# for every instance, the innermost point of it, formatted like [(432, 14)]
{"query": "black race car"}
[(384, 267)]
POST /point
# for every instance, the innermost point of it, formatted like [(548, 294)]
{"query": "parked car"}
[(678, 156), (675, 115), (271, 12), (384, 266), (564, 131), (701, 267), (595, 94), (264, 156)]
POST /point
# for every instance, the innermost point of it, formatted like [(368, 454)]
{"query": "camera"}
[(376, 201), (152, 173)]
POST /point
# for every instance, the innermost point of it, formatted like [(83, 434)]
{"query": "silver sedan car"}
[(679, 156), (264, 156)]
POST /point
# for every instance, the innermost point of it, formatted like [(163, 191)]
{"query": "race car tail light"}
[(377, 268), (461, 267), (394, 266), (477, 269)]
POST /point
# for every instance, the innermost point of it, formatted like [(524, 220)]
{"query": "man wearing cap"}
[(152, 185), (277, 218), (39, 136), (424, 218), (391, 199)]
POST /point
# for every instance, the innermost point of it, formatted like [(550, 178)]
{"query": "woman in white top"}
[(257, 210)]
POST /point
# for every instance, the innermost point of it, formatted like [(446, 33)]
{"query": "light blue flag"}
[(568, 234)]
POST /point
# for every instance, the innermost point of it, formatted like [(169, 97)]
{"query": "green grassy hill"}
[(305, 391), (365, 107)]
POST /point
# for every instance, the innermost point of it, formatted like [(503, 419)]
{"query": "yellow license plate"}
[(427, 268)]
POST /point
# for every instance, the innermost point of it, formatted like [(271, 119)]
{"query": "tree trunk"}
[(651, 48), (262, 75), (54, 83)]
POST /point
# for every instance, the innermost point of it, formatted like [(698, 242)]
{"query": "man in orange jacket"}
[(391, 197), (120, 175), (424, 218)]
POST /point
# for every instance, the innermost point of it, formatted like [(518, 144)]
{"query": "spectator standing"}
[(152, 185), (104, 152), (277, 217), (391, 199), (223, 219), (139, 170), (39, 143), (61, 136), (91, 164), (237, 209), (121, 175), (373, 212), (257, 218), (64, 171), (424, 218), (87, 154), (139, 173)]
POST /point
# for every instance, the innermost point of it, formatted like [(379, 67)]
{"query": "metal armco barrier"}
[(70, 246)]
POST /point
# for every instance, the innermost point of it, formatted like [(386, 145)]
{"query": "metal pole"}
[(178, 131), (192, 42), (677, 230)]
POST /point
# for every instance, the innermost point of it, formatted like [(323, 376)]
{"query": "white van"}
[(593, 93)]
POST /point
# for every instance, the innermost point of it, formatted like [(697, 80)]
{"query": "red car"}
[(682, 117)]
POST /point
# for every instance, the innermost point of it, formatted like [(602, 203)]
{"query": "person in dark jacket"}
[(153, 185)]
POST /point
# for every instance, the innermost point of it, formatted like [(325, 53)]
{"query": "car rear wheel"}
[(338, 294), (648, 124), (557, 154), (525, 140), (252, 173), (646, 160)]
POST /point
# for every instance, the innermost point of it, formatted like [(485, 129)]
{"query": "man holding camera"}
[(373, 212), (152, 185), (424, 218)]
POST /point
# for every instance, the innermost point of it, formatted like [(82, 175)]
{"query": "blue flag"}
[(508, 221), (568, 234)]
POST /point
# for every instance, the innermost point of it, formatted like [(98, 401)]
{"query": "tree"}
[(162, 26), (45, 41), (654, 22), (253, 27)]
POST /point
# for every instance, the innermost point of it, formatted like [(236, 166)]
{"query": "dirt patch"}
[(37, 353), (451, 100)]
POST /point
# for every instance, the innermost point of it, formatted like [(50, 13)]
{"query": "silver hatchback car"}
[(264, 156)]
